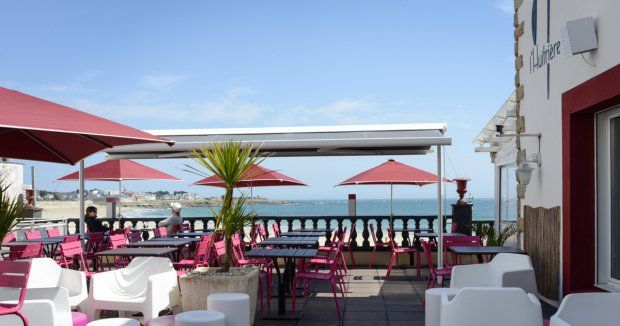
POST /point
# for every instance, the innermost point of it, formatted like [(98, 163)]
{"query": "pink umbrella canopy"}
[(35, 129), (393, 173), (120, 170), (257, 176)]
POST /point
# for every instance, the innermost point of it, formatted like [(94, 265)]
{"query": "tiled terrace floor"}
[(371, 300)]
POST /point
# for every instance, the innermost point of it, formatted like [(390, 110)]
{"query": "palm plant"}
[(230, 161), (11, 209), (490, 238)]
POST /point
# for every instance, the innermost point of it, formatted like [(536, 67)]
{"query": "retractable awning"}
[(355, 140)]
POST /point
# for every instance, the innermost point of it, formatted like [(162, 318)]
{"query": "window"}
[(507, 193), (608, 199)]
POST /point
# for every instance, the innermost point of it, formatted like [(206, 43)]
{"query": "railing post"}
[(328, 234), (353, 233), (405, 233), (303, 222), (365, 234), (315, 223), (339, 226), (289, 221), (379, 231)]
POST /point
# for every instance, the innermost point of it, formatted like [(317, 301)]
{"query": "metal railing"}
[(410, 224)]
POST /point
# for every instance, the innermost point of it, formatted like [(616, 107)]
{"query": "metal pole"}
[(119, 198), (34, 190), (81, 199), (391, 199), (439, 209)]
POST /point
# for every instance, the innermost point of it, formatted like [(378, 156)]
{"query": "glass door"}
[(608, 198)]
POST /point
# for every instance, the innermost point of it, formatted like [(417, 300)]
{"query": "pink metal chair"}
[(14, 274), (396, 250), (175, 229), (55, 232), (9, 238), (32, 235), (118, 241), (185, 227), (71, 238), (201, 257), (331, 276), (465, 241), (376, 245), (434, 273), (33, 250), (72, 255), (134, 236), (276, 229), (95, 244), (262, 233)]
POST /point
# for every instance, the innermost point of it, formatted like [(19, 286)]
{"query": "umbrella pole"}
[(439, 210), (81, 198), (119, 197)]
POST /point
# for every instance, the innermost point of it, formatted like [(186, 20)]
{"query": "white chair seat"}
[(42, 307), (200, 318), (115, 322), (45, 273), (587, 309)]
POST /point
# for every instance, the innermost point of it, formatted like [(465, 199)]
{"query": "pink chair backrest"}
[(33, 235), (70, 251), (10, 237), (201, 253), (117, 241), (350, 231), (55, 232), (95, 242), (175, 229), (335, 257), (14, 274), (71, 238), (33, 250), (262, 232), (127, 229), (160, 232), (427, 253), (220, 248), (134, 236), (392, 242), (276, 229)]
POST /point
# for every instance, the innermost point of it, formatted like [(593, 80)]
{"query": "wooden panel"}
[(542, 242)]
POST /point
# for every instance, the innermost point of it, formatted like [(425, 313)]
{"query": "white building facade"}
[(566, 111)]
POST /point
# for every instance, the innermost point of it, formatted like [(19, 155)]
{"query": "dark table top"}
[(323, 230), (281, 253), (411, 230), (302, 234), (174, 239), (44, 241), (290, 241), (134, 252), (485, 250), (435, 234), (192, 234), (160, 243)]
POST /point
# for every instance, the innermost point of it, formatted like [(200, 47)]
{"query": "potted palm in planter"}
[(11, 210), (230, 161)]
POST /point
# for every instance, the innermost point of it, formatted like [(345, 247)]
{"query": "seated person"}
[(93, 224), (174, 222)]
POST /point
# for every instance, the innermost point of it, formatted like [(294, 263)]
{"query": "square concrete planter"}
[(197, 285)]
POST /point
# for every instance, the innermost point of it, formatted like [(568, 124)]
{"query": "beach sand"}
[(66, 209)]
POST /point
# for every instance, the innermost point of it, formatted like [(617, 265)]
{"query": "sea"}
[(483, 209)]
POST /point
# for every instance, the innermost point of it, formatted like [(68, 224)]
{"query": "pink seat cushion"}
[(79, 319), (545, 322)]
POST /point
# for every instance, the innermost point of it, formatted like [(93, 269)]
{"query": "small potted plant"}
[(230, 161), (11, 209)]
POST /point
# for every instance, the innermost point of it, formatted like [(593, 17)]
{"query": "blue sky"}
[(214, 64)]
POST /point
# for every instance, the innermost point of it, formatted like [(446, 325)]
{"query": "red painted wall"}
[(579, 106)]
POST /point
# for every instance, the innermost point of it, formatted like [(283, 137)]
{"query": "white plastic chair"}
[(491, 306), (147, 285), (504, 270), (42, 307), (45, 273), (587, 309)]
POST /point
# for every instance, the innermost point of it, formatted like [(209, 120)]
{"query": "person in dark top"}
[(94, 225)]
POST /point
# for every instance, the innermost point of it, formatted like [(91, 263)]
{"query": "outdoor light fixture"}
[(524, 173)]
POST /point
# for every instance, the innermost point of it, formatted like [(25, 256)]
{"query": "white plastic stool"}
[(114, 322), (161, 321), (432, 304), (200, 318), (236, 307)]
